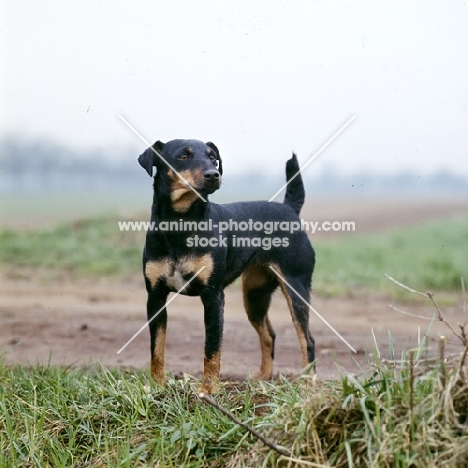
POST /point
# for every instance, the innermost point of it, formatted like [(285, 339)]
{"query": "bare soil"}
[(70, 322)]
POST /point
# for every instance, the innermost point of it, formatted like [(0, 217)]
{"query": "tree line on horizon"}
[(43, 165)]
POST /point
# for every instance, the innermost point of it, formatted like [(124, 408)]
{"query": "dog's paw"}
[(159, 379), (260, 375), (208, 387)]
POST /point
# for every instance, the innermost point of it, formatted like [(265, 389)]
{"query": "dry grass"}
[(410, 411)]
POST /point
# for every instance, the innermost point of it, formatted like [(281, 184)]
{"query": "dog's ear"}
[(218, 156), (149, 158)]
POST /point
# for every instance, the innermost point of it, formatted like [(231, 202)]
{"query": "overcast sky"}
[(257, 78)]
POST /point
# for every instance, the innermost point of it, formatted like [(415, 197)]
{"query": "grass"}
[(430, 256), (407, 412), (89, 247), (41, 209), (101, 417), (433, 255)]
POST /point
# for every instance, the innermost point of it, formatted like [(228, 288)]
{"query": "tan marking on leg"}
[(182, 197), (210, 380), (157, 360), (302, 341), (255, 276), (300, 333), (190, 264), (154, 270), (266, 346)]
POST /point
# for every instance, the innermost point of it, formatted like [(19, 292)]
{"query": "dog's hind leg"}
[(258, 285), (300, 316)]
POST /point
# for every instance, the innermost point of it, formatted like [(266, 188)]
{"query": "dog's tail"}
[(295, 193)]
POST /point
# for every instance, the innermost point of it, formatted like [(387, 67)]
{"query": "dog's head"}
[(185, 161)]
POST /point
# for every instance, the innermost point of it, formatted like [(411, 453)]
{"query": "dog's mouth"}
[(206, 188), (211, 186)]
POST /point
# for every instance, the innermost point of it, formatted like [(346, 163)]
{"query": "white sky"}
[(257, 78)]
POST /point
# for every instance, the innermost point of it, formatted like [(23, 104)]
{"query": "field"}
[(73, 295)]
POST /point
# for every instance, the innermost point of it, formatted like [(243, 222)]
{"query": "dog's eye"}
[(213, 158), (183, 157)]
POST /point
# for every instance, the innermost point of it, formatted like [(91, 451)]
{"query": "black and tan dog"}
[(221, 242)]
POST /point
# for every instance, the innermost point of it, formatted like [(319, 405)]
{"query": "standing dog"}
[(221, 242)]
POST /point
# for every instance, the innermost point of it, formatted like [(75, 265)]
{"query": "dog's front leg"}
[(157, 318), (213, 302)]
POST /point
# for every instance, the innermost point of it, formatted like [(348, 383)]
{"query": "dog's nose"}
[(211, 176)]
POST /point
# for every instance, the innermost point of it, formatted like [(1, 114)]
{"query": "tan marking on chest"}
[(155, 270), (173, 271)]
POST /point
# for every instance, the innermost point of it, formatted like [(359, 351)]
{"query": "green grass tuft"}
[(408, 412), (102, 417)]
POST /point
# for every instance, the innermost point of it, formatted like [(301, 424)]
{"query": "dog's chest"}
[(178, 273), (175, 279)]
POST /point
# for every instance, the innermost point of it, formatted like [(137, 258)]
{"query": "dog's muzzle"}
[(212, 180)]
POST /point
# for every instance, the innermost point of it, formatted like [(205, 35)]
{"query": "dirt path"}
[(78, 322), (81, 323)]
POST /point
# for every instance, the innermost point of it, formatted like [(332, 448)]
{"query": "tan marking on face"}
[(210, 380), (182, 196), (157, 360), (154, 270), (183, 199)]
